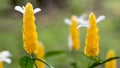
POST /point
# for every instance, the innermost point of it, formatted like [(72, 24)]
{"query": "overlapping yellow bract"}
[(30, 35), (92, 38), (40, 55), (110, 64), (1, 64), (74, 32)]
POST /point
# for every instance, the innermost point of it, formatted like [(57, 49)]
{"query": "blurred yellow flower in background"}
[(112, 63), (73, 39), (40, 55), (92, 38), (74, 34), (1, 64)]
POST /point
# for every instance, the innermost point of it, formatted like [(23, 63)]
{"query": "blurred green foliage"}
[(53, 32)]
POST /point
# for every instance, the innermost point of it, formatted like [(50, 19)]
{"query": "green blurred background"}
[(53, 32)]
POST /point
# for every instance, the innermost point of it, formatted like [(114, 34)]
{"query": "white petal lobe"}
[(36, 10), (20, 9), (82, 16), (7, 60), (100, 18), (83, 24), (23, 7), (67, 21), (4, 57)]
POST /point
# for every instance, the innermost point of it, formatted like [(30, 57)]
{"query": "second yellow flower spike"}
[(92, 38)]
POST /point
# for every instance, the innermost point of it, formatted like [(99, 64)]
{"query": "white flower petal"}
[(7, 60), (70, 42), (82, 16), (67, 21), (36, 10), (20, 9), (23, 7), (100, 18), (4, 56), (83, 24)]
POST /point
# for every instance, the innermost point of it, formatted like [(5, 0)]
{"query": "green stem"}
[(102, 62), (74, 64), (35, 65), (89, 64), (50, 66)]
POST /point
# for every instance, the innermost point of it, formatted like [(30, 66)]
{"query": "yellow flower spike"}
[(74, 34), (40, 55), (30, 35), (92, 38), (1, 64), (110, 64)]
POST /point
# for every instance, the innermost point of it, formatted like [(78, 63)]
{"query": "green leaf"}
[(102, 62), (50, 66), (26, 62), (53, 53), (74, 64)]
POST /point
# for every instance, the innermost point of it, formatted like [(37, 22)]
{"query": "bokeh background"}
[(53, 32)]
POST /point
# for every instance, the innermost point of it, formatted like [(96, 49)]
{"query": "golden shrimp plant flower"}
[(92, 37), (73, 39), (30, 35), (4, 57), (40, 55), (110, 64)]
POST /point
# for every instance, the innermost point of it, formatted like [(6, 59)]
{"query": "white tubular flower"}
[(81, 18), (4, 56), (21, 9), (83, 23)]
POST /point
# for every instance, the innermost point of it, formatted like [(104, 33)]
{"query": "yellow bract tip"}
[(29, 5), (92, 19), (29, 8), (110, 54), (73, 17), (92, 14)]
